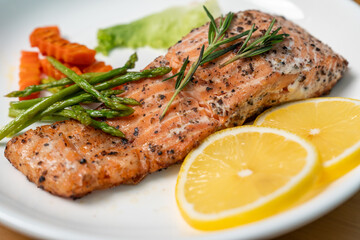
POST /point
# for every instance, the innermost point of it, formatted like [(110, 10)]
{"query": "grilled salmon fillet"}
[(71, 160)]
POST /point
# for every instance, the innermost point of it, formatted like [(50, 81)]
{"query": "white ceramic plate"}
[(148, 210)]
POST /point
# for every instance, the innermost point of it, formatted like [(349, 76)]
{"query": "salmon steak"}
[(71, 160)]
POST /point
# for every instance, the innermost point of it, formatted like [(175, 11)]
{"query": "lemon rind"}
[(348, 152), (311, 163)]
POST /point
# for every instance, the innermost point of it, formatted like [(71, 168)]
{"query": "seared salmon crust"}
[(69, 159)]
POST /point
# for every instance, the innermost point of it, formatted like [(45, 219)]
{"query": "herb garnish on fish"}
[(216, 39), (260, 45)]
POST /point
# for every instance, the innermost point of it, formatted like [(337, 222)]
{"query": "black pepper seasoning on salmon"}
[(41, 179), (136, 132)]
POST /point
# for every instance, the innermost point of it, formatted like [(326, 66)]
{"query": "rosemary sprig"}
[(260, 45), (215, 39)]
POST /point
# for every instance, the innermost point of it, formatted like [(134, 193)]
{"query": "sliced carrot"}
[(43, 32), (29, 73), (97, 67), (50, 43), (78, 54), (49, 70)]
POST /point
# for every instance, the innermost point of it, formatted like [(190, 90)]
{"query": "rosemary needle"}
[(260, 45), (216, 39), (216, 36)]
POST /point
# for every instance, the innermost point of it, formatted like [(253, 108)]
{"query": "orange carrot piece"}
[(29, 73), (43, 32), (97, 67), (50, 71), (50, 43)]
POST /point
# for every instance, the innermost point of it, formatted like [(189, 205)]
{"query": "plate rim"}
[(305, 214)]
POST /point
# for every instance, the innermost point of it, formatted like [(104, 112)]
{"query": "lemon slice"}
[(243, 174), (331, 124)]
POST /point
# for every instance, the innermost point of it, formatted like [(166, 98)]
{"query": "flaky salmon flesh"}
[(69, 159)]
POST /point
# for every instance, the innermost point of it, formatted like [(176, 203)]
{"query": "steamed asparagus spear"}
[(43, 108), (66, 81), (57, 116), (86, 86), (24, 104), (81, 115)]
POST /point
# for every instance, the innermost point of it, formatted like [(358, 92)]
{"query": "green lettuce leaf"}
[(159, 30)]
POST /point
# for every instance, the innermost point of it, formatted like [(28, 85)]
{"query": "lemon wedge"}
[(243, 174), (331, 124)]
